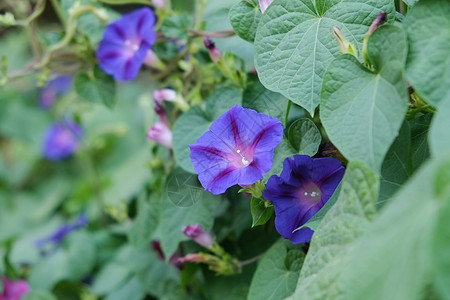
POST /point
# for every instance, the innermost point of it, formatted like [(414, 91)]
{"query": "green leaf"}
[(115, 272), (98, 88), (146, 221), (191, 125), (89, 24), (277, 273), (362, 110), (73, 261), (177, 26), (153, 273), (439, 133), (428, 27), (131, 290), (244, 17), (81, 255), (257, 97), (440, 257), (305, 137), (39, 295), (420, 127), (314, 222), (174, 216), (282, 151), (260, 213), (410, 3), (397, 167), (392, 259), (345, 221), (294, 42)]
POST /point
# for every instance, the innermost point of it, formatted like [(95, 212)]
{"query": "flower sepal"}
[(256, 189), (225, 265)]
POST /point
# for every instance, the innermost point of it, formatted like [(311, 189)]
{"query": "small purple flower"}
[(58, 236), (164, 95), (214, 53), (264, 4), (54, 89), (125, 44), (161, 134), (200, 236), (302, 189), (61, 140), (237, 149), (14, 290)]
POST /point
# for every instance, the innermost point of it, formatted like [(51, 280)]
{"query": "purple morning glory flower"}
[(302, 189), (54, 89), (237, 149), (57, 236), (125, 44), (61, 140), (14, 290)]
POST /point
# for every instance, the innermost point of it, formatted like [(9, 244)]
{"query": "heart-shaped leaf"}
[(294, 42), (362, 110)]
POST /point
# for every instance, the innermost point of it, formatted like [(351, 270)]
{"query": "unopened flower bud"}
[(161, 134), (164, 95), (379, 20), (344, 45), (193, 257), (200, 236), (214, 53), (263, 4), (159, 3), (13, 289), (150, 58), (161, 112)]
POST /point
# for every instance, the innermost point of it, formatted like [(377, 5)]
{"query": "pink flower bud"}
[(151, 58), (161, 112), (14, 290), (161, 134), (193, 257), (214, 53), (200, 236), (263, 4), (159, 3), (379, 20), (164, 95)]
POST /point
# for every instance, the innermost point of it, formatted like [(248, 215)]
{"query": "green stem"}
[(70, 32), (40, 6), (199, 14), (249, 261), (288, 109), (215, 34), (58, 11)]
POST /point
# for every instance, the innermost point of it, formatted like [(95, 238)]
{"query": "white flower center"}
[(132, 46), (243, 160)]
